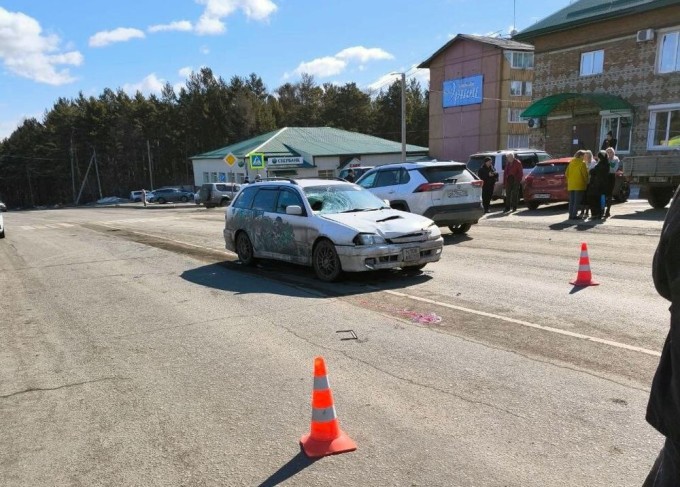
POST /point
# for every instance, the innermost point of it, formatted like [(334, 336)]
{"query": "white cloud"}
[(422, 75), (210, 22), (322, 67), (186, 71), (150, 84), (121, 34), (27, 52), (180, 25), (205, 50), (363, 54)]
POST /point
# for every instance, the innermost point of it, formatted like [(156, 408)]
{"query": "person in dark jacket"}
[(597, 187), (489, 177), (609, 141), (663, 409)]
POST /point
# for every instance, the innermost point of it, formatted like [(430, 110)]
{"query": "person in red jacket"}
[(512, 181)]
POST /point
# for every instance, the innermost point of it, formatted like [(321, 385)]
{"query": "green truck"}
[(657, 175)]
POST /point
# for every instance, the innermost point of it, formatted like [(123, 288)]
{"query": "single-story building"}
[(298, 152)]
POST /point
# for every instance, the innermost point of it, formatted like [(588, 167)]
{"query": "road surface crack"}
[(63, 386)]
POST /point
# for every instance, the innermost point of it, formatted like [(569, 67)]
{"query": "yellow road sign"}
[(230, 159)]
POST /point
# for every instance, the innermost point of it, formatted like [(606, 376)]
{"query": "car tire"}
[(184, 199), (532, 205), (659, 197), (224, 202), (161, 201), (326, 261), (2, 234), (460, 229), (623, 193), (244, 249)]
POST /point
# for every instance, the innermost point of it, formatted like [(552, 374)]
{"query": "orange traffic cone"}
[(325, 436), (584, 277)]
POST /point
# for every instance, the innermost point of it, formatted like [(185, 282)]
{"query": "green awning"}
[(544, 106)]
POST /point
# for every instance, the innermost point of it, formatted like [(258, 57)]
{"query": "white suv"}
[(446, 192), (528, 157)]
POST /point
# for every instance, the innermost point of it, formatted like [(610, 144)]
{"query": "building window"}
[(521, 60), (669, 52), (592, 63), (621, 127), (514, 115), (223, 177), (520, 88), (518, 141), (664, 127), (206, 177), (327, 173), (213, 177)]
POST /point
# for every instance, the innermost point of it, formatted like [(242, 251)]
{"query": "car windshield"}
[(342, 198), (546, 169), (439, 174)]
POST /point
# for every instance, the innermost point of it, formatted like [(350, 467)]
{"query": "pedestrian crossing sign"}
[(257, 160)]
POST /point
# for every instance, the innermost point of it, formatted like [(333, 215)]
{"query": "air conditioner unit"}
[(645, 35), (534, 123)]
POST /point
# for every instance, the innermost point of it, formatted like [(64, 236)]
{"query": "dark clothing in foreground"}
[(597, 187), (663, 410)]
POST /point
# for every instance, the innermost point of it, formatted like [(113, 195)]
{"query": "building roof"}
[(317, 141), (589, 11), (499, 42)]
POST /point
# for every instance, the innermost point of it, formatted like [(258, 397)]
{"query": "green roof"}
[(317, 141), (584, 12), (544, 106)]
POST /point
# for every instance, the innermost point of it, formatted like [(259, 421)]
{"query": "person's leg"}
[(578, 198), (610, 191), (666, 469), (515, 195), (507, 198), (572, 205)]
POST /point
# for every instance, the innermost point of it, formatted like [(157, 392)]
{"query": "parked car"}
[(331, 225), (358, 172), (2, 227), (528, 157), (546, 184), (136, 196), (3, 206), (164, 195), (217, 194), (446, 192)]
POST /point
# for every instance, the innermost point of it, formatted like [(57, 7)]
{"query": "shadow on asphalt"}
[(294, 466), (451, 239), (299, 281), (650, 214)]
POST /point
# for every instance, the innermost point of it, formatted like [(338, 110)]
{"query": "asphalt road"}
[(134, 350)]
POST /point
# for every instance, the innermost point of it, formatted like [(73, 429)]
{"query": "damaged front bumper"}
[(389, 256)]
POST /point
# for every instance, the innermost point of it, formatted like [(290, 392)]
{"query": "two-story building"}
[(479, 87), (606, 66)]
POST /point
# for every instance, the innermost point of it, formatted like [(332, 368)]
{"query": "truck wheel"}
[(659, 197), (460, 229), (623, 193)]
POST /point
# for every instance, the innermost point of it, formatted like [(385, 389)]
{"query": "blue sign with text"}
[(463, 91)]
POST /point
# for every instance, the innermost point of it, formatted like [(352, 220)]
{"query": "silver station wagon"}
[(334, 226)]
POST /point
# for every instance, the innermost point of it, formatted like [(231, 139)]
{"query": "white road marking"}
[(550, 329)]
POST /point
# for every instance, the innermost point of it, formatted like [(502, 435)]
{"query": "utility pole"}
[(96, 169), (148, 151), (403, 117), (73, 174)]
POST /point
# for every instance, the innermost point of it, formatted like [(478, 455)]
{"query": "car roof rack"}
[(290, 180)]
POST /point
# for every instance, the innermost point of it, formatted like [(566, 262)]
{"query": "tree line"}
[(45, 162)]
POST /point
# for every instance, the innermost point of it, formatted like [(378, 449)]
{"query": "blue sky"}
[(57, 48)]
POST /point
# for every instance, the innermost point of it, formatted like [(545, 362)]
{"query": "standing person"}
[(350, 176), (598, 185), (489, 177), (512, 180), (590, 163), (609, 141), (577, 181), (663, 409), (614, 167)]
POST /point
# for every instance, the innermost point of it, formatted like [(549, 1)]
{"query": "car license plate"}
[(658, 179), (542, 196), (456, 193), (412, 254)]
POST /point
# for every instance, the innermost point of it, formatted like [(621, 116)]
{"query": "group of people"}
[(512, 181), (590, 183)]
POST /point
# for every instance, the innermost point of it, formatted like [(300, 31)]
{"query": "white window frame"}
[(206, 177), (592, 63), (326, 173), (675, 48), (654, 110), (526, 88), (605, 127), (514, 115), (213, 177), (523, 137), (523, 55)]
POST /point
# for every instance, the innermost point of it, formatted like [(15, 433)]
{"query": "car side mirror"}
[(387, 203), (294, 210)]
